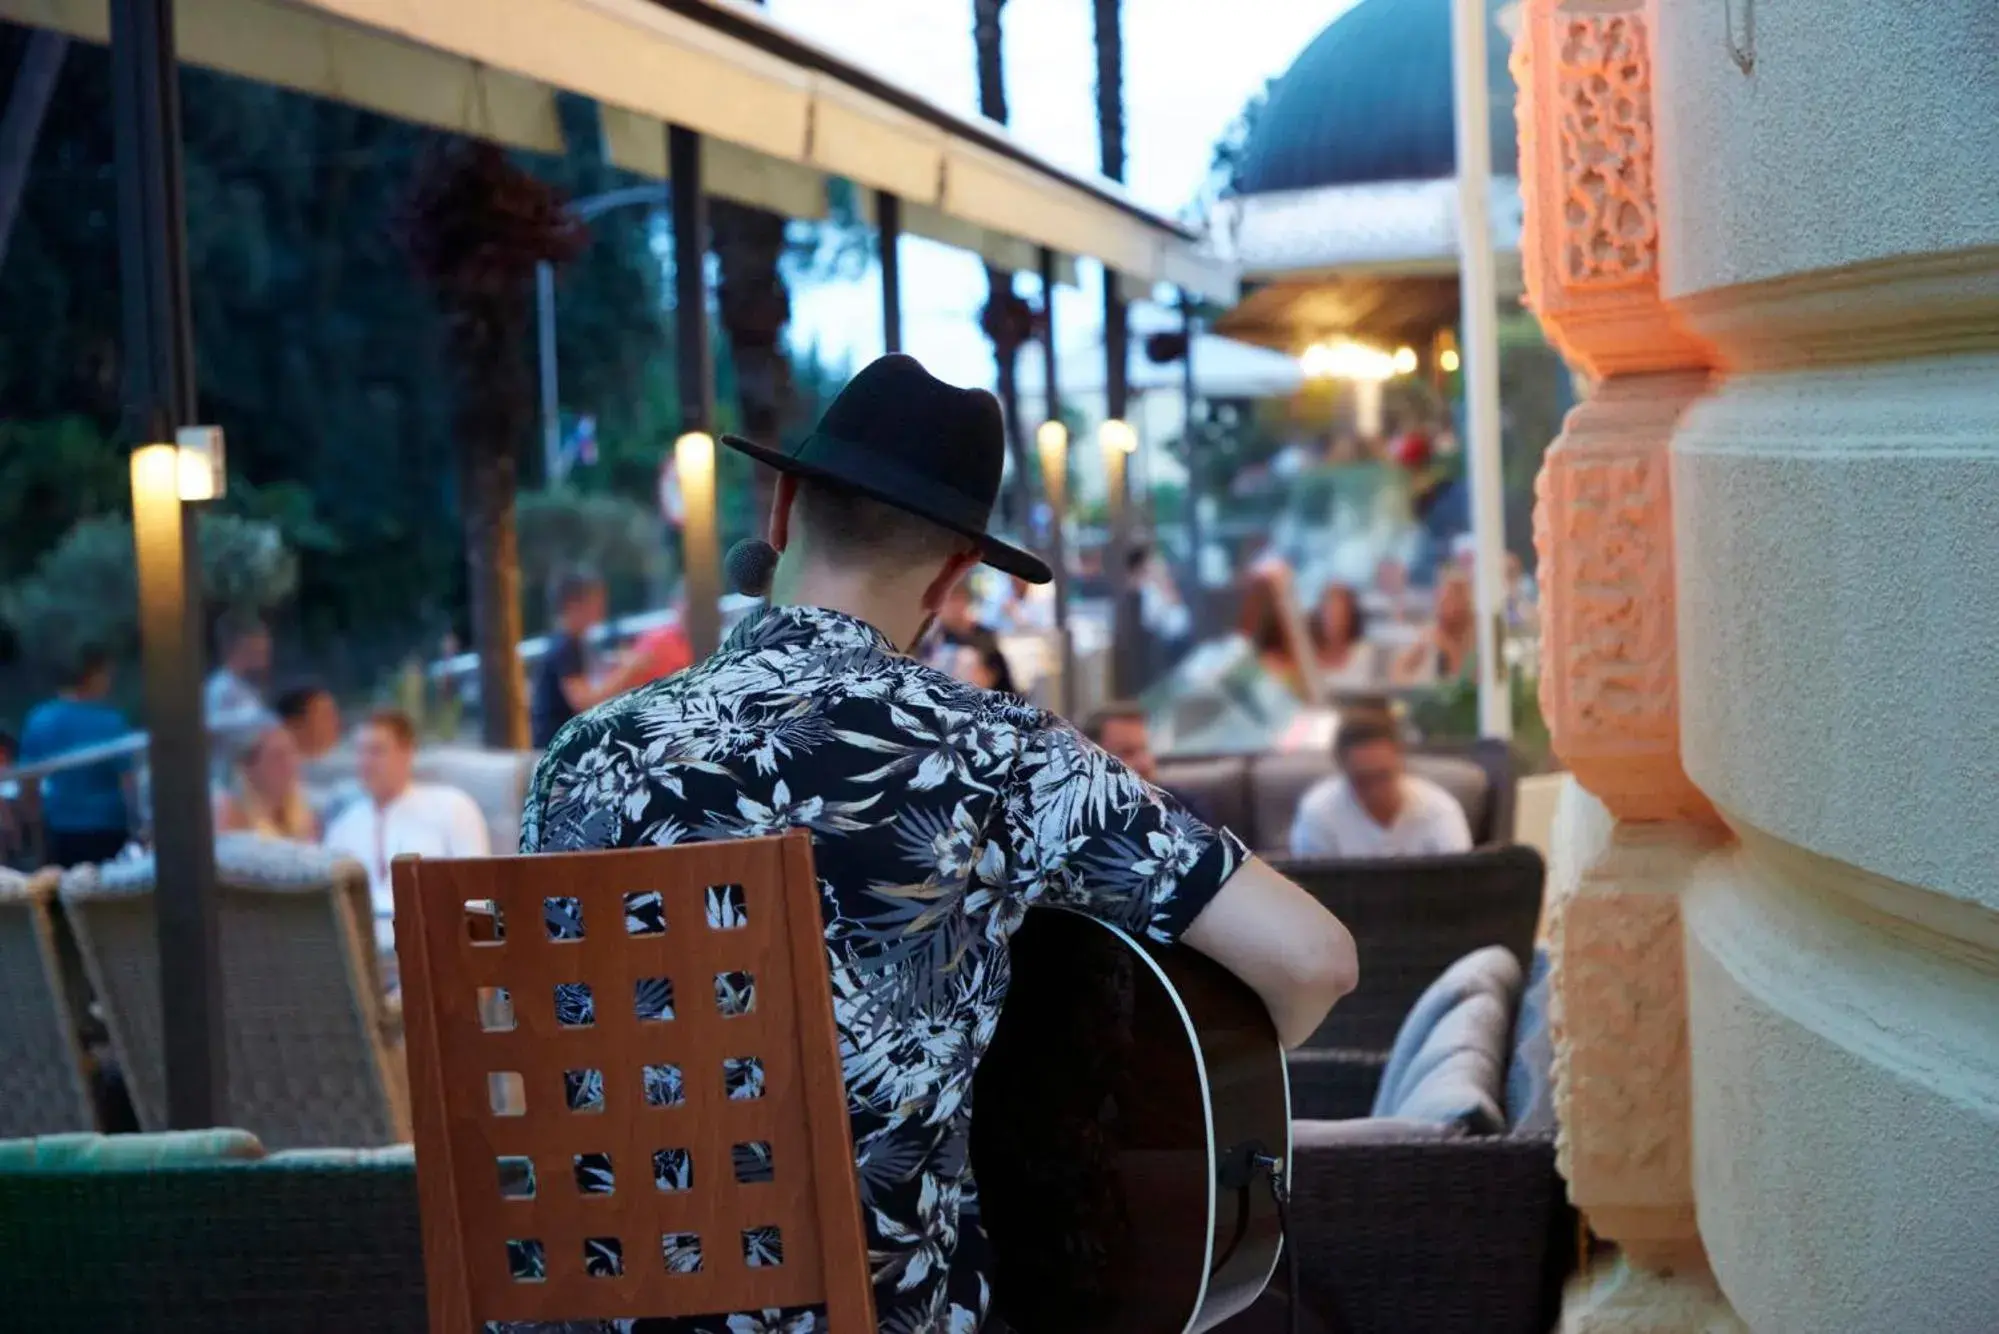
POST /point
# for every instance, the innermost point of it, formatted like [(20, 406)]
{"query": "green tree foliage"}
[(318, 350), (615, 536), (84, 591)]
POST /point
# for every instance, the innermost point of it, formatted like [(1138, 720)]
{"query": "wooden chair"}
[(627, 1089)]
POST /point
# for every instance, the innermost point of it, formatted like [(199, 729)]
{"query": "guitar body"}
[(1113, 1119)]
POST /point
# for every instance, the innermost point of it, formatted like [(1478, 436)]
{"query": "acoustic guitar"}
[(1124, 1122)]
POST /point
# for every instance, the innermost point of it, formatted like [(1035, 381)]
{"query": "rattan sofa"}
[(309, 1046)]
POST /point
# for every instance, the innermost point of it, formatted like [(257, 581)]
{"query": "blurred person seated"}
[(1270, 622), (1347, 661), (1372, 808), (1523, 597), (399, 815), (1123, 731), (959, 626), (985, 668), (265, 794), (1161, 609), (1027, 606), (86, 811), (1448, 648), (566, 681), (311, 714), (234, 694)]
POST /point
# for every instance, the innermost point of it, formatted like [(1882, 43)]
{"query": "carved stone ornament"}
[(1590, 246), (1603, 529)]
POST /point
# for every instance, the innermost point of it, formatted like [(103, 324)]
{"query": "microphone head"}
[(750, 565)]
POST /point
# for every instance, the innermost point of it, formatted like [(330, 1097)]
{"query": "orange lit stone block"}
[(1590, 247), (1603, 529)]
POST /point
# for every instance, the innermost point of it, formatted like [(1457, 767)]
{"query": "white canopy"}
[(779, 113)]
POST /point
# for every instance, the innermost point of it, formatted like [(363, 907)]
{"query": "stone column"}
[(1632, 830), (1830, 223)]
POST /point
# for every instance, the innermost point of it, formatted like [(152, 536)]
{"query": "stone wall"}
[(1770, 547)]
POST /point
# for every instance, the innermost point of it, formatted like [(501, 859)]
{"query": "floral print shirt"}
[(939, 813)]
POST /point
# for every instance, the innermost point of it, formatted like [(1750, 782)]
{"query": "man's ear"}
[(780, 510), (957, 567)]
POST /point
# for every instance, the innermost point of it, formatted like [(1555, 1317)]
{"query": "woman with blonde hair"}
[(265, 794)]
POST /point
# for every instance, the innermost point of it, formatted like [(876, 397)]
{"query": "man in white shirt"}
[(399, 815), (1372, 808)]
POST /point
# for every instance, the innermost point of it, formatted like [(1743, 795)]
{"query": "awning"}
[(779, 113)]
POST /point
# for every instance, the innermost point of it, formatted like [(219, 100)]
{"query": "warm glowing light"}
[(1448, 360), (694, 470), (155, 477), (200, 466), (1405, 360), (1346, 360), (195, 479), (694, 456), (1117, 437), (1051, 441)]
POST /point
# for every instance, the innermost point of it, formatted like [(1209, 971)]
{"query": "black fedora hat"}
[(900, 435)]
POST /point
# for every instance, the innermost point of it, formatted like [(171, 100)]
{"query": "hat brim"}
[(1002, 556)]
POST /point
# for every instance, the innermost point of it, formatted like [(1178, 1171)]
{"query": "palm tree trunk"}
[(487, 480), (21, 125), (991, 57), (754, 307)]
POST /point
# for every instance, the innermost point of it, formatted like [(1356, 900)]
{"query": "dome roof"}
[(1370, 100)]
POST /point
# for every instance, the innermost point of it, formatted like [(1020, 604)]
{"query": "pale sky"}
[(1189, 67)]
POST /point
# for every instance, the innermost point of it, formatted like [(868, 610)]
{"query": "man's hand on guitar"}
[(1282, 942)]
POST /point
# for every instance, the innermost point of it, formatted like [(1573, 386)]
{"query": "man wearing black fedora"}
[(939, 812)]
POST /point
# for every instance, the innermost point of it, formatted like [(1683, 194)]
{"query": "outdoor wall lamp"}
[(700, 558), (1117, 441), (190, 469), (1051, 441)]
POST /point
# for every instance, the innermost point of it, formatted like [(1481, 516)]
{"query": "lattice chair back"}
[(626, 1085)]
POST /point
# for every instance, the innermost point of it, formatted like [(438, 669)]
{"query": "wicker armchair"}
[(325, 1240), (311, 1059), (1402, 1232), (1411, 919), (39, 1045)]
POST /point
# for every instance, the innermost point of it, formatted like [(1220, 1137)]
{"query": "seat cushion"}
[(496, 780), (1530, 1084), (1277, 784), (1217, 787), (1368, 1130), (1470, 785), (88, 1152), (1492, 971), (1462, 1087)]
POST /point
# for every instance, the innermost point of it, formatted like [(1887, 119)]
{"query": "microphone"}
[(750, 565)]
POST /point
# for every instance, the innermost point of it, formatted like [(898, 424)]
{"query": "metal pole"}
[(160, 398), (551, 411), (694, 364), (1127, 629), (1479, 296), (1196, 538), (888, 224), (1058, 495)]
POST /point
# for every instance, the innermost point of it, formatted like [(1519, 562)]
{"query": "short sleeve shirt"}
[(92, 796), (549, 709), (940, 813)]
